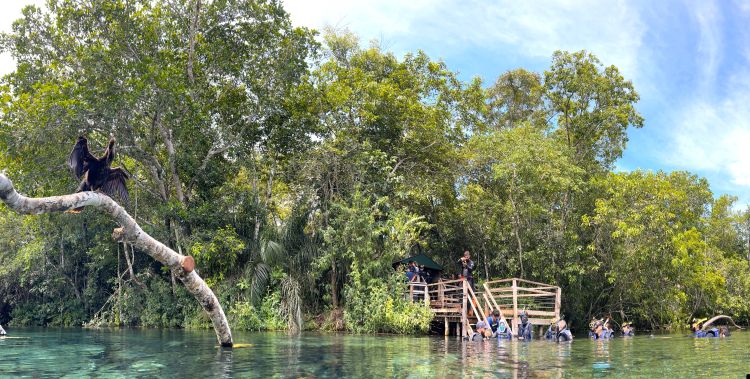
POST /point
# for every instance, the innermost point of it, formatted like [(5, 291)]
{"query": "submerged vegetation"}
[(296, 167)]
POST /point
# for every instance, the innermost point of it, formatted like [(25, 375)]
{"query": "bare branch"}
[(130, 232)]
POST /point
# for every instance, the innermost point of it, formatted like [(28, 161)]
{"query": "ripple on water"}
[(155, 353)]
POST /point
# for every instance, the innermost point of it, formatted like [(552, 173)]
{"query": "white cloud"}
[(9, 12), (709, 20), (713, 135), (611, 30)]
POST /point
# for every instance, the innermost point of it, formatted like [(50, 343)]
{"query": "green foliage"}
[(297, 173), (379, 306), (267, 316)]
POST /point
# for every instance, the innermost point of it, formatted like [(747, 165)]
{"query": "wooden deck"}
[(460, 308)]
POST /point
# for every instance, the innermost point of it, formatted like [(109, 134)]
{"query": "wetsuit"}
[(564, 336), (713, 332), (503, 332), (524, 330), (550, 334)]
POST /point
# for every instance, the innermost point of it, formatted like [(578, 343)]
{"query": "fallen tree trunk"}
[(129, 231)]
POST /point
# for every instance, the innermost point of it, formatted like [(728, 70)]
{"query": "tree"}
[(592, 106)]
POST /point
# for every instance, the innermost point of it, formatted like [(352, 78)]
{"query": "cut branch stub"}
[(129, 231)]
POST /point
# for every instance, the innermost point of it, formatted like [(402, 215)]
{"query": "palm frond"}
[(259, 283)]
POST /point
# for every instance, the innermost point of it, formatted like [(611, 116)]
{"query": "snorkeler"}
[(558, 331), (524, 328), (599, 329), (503, 332), (627, 329)]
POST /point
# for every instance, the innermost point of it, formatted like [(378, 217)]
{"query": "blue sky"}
[(689, 60)]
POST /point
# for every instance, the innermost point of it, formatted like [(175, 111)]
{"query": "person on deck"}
[(524, 328), (467, 269), (410, 273)]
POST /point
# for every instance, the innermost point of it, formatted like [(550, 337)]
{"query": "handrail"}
[(472, 298), (486, 287), (508, 280)]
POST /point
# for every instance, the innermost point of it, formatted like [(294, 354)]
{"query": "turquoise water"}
[(193, 354)]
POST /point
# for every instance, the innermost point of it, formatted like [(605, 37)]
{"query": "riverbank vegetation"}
[(297, 165)]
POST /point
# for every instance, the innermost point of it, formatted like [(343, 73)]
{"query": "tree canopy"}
[(297, 165)]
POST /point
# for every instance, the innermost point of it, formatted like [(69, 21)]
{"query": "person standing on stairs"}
[(467, 269)]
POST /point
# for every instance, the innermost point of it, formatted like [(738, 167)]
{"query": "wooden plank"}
[(464, 320), (531, 282), (550, 295), (472, 299), (540, 313), (521, 289), (515, 307)]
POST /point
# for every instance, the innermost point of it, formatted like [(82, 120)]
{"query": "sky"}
[(689, 60)]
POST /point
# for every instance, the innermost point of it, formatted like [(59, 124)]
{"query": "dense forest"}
[(296, 165)]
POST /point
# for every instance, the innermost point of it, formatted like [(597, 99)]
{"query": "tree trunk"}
[(130, 232), (516, 222), (334, 287)]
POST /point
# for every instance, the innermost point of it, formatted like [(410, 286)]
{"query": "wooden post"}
[(515, 308), (441, 293), (411, 292), (557, 303), (426, 296), (464, 318), (447, 327)]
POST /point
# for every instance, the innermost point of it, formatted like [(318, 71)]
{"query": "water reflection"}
[(158, 353)]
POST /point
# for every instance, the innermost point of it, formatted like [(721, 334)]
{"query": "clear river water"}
[(194, 354)]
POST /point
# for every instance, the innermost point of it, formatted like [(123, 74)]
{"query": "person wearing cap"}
[(482, 333)]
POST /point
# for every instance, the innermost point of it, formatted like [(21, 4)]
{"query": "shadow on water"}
[(179, 353)]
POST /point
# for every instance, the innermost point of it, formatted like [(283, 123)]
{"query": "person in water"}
[(558, 331), (503, 332), (483, 332), (497, 325), (524, 328), (627, 329), (599, 329), (700, 332), (493, 320)]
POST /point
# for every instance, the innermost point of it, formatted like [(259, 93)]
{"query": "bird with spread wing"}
[(96, 173)]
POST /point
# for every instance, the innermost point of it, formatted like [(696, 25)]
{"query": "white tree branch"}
[(131, 232)]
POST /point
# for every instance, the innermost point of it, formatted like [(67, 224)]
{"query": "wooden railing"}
[(455, 299), (540, 301)]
